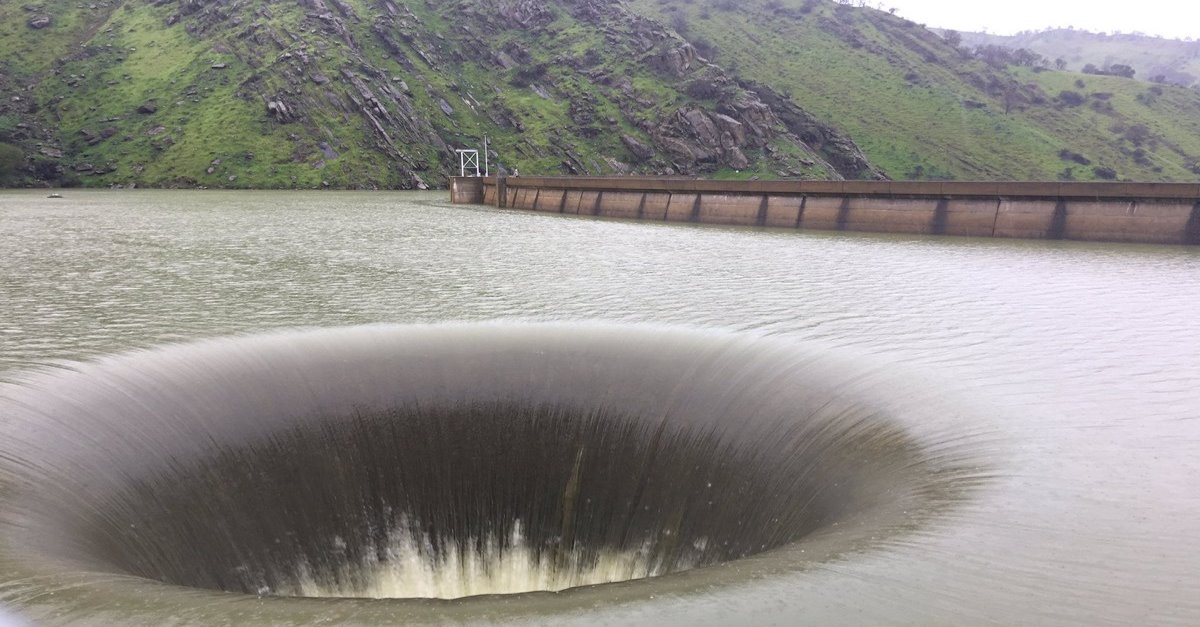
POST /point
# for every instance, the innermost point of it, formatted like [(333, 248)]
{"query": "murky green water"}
[(1077, 366)]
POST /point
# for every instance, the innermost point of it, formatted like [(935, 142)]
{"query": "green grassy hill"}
[(378, 94), (920, 108), (1168, 60)]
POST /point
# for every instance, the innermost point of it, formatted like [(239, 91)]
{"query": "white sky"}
[(1167, 18)]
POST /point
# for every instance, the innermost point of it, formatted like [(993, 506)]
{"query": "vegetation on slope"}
[(1152, 58), (379, 93), (376, 93), (921, 107)]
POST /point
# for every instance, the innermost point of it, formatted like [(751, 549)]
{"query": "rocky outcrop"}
[(279, 111), (524, 14), (353, 82), (675, 60), (837, 149), (693, 134), (639, 150)]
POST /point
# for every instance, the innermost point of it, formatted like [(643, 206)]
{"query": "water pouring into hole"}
[(451, 461)]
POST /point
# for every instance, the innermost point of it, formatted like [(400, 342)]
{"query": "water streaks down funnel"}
[(443, 461)]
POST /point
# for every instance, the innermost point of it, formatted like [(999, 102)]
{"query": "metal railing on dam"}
[(1153, 213)]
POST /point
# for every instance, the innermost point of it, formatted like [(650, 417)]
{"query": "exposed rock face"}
[(639, 150), (676, 61), (523, 13), (407, 87), (730, 127), (279, 111), (705, 137), (840, 151)]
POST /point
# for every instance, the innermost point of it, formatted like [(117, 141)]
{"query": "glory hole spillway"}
[(444, 462)]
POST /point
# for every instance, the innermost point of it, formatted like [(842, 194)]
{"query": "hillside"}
[(1153, 58), (378, 93), (920, 108)]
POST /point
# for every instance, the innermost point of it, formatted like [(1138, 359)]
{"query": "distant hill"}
[(1154, 58), (920, 107), (379, 93)]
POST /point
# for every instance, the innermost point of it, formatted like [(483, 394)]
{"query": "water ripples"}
[(1079, 361)]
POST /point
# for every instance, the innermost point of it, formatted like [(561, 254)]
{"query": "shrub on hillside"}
[(8, 124), (1116, 69), (1070, 155), (45, 169), (705, 48), (1102, 172), (1119, 69), (11, 159), (528, 75), (1071, 98), (1137, 134), (679, 22)]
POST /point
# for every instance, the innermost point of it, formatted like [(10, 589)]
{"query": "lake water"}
[(1076, 366)]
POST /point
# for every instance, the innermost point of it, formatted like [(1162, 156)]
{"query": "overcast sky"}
[(1167, 18)]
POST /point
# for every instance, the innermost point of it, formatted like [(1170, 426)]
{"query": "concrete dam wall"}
[(1150, 213)]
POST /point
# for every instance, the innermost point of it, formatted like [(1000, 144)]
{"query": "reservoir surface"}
[(1066, 377)]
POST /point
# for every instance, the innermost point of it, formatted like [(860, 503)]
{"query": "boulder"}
[(731, 126), (617, 166), (677, 147), (504, 60), (91, 138), (637, 148), (676, 61), (702, 127), (736, 159), (39, 22), (148, 107), (280, 111)]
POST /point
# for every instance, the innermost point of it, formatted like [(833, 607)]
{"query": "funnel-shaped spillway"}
[(443, 461)]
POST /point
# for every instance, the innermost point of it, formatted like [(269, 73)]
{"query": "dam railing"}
[(1155, 213)]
